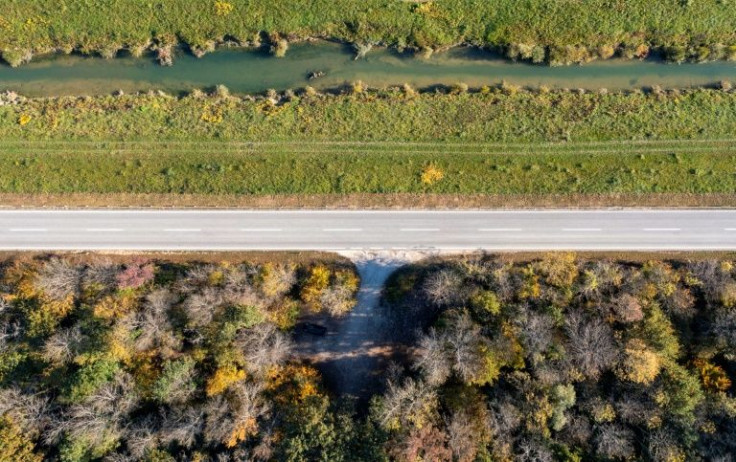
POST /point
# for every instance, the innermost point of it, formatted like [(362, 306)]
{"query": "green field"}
[(107, 25), (493, 143), (337, 168)]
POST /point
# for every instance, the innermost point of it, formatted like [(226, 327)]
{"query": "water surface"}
[(251, 71)]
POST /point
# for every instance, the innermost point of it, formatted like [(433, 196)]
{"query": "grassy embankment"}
[(557, 31), (373, 149)]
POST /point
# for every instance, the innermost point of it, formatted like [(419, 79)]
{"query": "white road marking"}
[(342, 230), (28, 230), (183, 230), (582, 230), (105, 230), (661, 229), (261, 230), (419, 230), (499, 230), (729, 229)]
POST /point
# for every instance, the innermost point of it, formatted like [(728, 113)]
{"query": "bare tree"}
[(536, 334), (200, 307), (183, 425), (615, 442), (101, 416), (591, 347), (337, 301), (29, 410), (533, 450), (466, 346), (58, 279), (142, 437), (263, 347), (626, 308), (236, 414), (463, 437), (412, 403), (101, 272), (63, 346), (432, 359), (443, 287), (154, 325)]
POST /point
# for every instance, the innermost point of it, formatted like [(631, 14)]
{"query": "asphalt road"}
[(345, 230)]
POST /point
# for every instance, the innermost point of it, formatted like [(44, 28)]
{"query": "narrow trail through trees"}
[(357, 347)]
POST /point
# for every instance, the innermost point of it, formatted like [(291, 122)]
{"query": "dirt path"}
[(357, 347)]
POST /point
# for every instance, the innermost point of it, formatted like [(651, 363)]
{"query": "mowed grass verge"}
[(396, 144), (325, 168)]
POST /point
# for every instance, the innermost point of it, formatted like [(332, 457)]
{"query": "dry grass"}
[(366, 201)]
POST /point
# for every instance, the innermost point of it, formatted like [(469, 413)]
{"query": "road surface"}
[(368, 230)]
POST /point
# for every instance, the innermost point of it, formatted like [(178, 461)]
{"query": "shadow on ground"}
[(355, 349)]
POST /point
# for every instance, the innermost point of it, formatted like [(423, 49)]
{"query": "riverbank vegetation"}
[(556, 32), (136, 359), (539, 358), (496, 141)]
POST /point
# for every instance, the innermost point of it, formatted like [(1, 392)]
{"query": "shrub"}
[(279, 48), (316, 283), (431, 174)]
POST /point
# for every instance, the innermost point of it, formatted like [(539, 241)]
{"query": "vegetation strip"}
[(393, 142), (558, 31), (551, 357)]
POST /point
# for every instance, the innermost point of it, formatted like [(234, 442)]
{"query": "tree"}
[(409, 404), (63, 346), (59, 279), (154, 325), (614, 442), (135, 274), (425, 443), (15, 445), (443, 287), (263, 347), (591, 346), (233, 417), (431, 358), (627, 309), (176, 382), (183, 425), (640, 364)]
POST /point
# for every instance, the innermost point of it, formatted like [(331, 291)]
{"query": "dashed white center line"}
[(261, 230), (342, 230), (104, 230), (183, 230), (729, 229), (499, 230), (582, 230), (28, 230), (419, 230), (661, 229)]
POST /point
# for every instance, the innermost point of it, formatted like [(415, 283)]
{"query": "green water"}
[(248, 71)]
